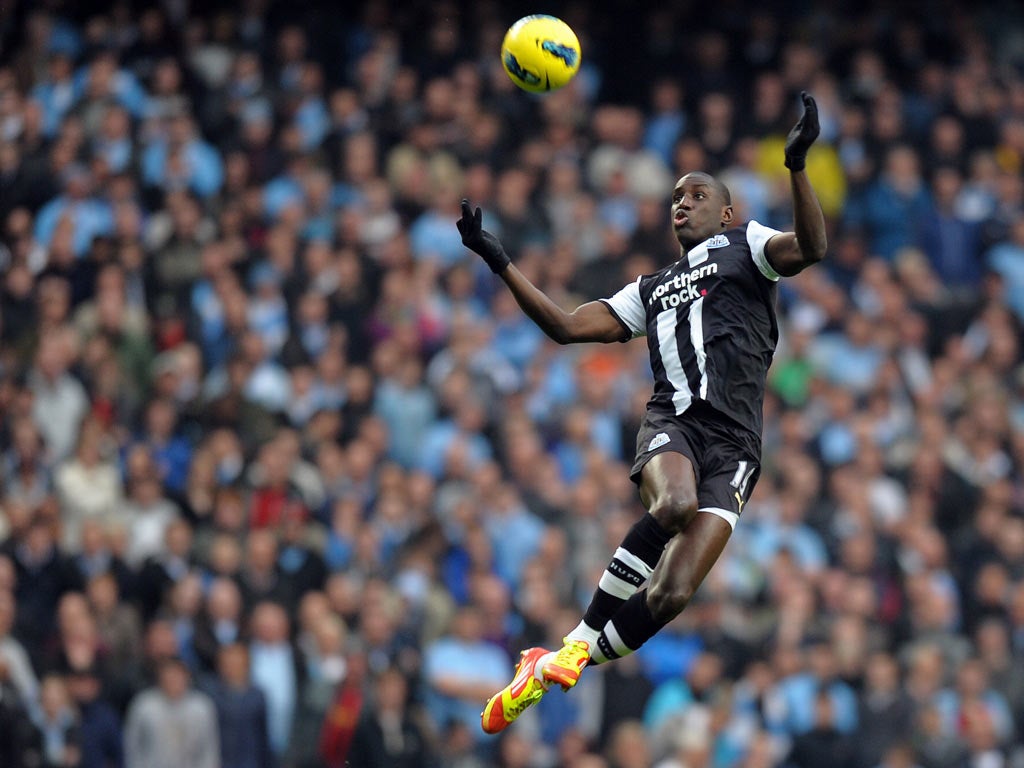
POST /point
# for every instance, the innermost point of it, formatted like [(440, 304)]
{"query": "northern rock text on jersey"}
[(682, 287)]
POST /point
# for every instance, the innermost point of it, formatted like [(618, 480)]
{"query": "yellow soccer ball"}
[(540, 53)]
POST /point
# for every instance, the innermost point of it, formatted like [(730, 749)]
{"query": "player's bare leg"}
[(682, 568), (688, 559), (668, 489)]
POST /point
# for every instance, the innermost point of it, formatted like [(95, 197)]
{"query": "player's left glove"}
[(803, 134), (480, 241)]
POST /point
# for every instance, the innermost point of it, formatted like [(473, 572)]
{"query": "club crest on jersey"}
[(657, 441), (718, 241)]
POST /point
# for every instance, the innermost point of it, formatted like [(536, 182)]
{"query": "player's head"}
[(701, 207)]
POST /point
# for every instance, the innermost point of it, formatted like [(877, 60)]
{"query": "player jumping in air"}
[(711, 328)]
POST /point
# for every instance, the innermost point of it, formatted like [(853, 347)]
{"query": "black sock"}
[(630, 567), (632, 626)]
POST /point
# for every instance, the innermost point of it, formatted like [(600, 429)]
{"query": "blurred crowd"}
[(287, 478)]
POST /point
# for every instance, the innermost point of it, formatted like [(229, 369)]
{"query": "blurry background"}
[(288, 479)]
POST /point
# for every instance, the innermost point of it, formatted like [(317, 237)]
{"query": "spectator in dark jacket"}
[(885, 711), (57, 726), (241, 711), (99, 725), (387, 736), (824, 744), (43, 575), (16, 733), (220, 624)]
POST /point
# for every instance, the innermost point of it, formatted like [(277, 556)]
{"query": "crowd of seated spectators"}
[(288, 479)]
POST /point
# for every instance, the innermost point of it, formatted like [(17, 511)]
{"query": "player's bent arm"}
[(791, 252), (592, 321)]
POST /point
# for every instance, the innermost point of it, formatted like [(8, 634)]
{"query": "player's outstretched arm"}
[(791, 252), (590, 322)]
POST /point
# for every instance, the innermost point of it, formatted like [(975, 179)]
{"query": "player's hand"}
[(803, 134), (480, 241)]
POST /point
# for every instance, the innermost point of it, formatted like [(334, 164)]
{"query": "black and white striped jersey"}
[(710, 324)]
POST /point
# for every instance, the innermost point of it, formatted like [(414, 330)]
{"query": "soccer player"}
[(710, 323)]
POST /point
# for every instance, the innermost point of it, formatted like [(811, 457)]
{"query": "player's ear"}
[(727, 216)]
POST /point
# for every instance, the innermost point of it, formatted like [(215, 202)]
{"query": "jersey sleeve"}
[(627, 307), (758, 236)]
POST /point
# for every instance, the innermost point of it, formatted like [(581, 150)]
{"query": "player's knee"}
[(674, 510), (666, 601)]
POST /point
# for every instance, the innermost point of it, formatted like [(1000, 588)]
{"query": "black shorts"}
[(726, 459)]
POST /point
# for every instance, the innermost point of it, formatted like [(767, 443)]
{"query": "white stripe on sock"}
[(628, 558), (616, 587), (615, 640), (597, 655)]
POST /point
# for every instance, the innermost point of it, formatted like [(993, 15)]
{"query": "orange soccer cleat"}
[(511, 701)]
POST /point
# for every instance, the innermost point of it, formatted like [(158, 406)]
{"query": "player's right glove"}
[(480, 241), (803, 134)]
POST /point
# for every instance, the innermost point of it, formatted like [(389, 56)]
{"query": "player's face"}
[(698, 209)]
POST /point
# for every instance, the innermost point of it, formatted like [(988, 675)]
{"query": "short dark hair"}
[(722, 190), (718, 186), (715, 184)]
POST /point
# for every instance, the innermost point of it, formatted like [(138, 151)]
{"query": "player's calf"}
[(667, 598)]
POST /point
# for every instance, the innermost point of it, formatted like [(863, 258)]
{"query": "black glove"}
[(803, 134), (481, 241)]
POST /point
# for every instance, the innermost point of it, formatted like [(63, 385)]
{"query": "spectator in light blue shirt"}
[(90, 216), (668, 122), (311, 115), (285, 190), (516, 337), (461, 671), (850, 360), (432, 236), (113, 145), (103, 80), (268, 312), (617, 205), (790, 704), (767, 538), (461, 434), (268, 383), (56, 94), (1007, 260), (515, 533), (408, 408), (182, 160), (318, 197)]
